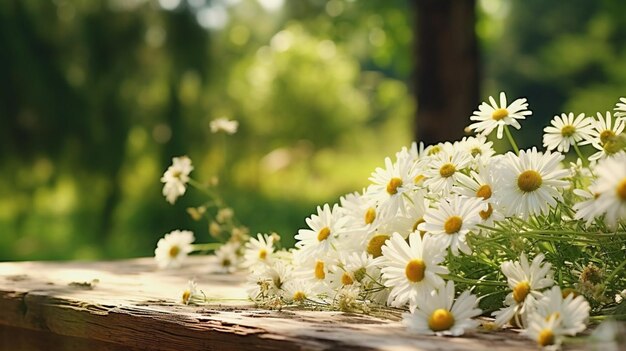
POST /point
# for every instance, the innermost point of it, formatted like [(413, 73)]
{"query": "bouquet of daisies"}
[(449, 232)]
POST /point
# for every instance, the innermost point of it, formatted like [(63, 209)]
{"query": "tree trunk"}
[(447, 72)]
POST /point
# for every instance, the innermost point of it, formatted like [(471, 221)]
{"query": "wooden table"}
[(134, 306)]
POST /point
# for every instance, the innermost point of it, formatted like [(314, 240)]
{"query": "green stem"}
[(206, 247), (615, 271), (580, 155), (472, 281), (511, 140)]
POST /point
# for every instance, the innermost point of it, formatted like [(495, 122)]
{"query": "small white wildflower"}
[(173, 248), (224, 125), (176, 177)]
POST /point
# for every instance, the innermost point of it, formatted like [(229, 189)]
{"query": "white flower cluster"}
[(390, 243), (396, 242)]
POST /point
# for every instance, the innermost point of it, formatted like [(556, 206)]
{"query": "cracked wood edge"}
[(135, 305)]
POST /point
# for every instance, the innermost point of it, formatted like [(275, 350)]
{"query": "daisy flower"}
[(545, 332), (374, 239), (258, 250), (390, 183), (440, 314), (602, 136), (191, 295), (620, 108), (298, 291), (270, 280), (481, 185), (173, 248), (360, 211), (492, 116), (479, 148), (571, 312), (525, 281), (611, 185), (566, 131), (224, 125), (452, 221), (412, 269), (176, 177), (324, 230), (445, 169), (227, 257), (587, 209), (531, 183), (353, 269)]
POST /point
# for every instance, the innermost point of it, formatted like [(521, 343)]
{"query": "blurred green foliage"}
[(97, 97)]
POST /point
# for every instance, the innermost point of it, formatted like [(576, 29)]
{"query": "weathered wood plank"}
[(135, 306)]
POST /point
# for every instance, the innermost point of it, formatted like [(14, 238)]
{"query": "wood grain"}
[(134, 306)]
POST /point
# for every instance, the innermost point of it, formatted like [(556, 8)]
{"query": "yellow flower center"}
[(476, 151), (606, 135), (440, 319), (416, 224), (323, 234), (319, 270), (612, 146), (484, 191), (546, 337), (415, 270), (520, 291), (360, 274), (499, 114), (174, 251), (393, 185), (447, 170), (487, 213), (374, 246), (370, 215), (299, 296), (419, 178), (346, 279), (262, 254), (621, 189), (555, 315), (177, 173), (568, 291), (434, 150), (529, 181), (453, 224), (186, 296), (568, 130)]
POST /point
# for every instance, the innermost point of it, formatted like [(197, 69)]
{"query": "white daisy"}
[(440, 314), (173, 248), (360, 211), (611, 185), (353, 269), (571, 312), (373, 240), (224, 125), (531, 183), (620, 108), (452, 221), (191, 295), (444, 170), (602, 136), (587, 209), (324, 230), (412, 269), (176, 177), (227, 257), (479, 148), (566, 131), (526, 281), (258, 250), (390, 183), (491, 116), (270, 280), (298, 291), (546, 332), (481, 185)]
